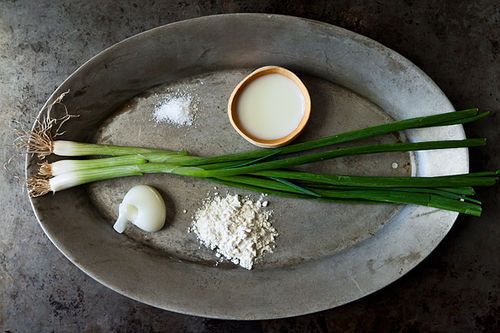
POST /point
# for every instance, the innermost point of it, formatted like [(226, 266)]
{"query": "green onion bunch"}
[(271, 170)]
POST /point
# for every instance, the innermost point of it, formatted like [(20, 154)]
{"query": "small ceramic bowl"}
[(233, 104)]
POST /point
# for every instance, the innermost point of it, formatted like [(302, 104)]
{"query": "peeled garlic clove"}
[(144, 207)]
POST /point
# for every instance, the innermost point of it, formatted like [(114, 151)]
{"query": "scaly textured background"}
[(456, 289)]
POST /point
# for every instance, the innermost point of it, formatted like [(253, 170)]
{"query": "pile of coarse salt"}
[(237, 229), (175, 110)]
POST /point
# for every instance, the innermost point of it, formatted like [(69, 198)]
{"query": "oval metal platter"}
[(326, 254)]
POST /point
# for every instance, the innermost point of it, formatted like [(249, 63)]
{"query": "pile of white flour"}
[(237, 229)]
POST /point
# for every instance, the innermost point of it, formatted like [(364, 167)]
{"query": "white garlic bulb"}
[(144, 207)]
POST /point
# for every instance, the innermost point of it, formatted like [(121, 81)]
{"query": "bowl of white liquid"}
[(269, 107)]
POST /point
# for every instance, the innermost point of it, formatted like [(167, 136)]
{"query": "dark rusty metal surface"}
[(455, 289)]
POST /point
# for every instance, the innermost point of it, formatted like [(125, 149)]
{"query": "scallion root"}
[(38, 186), (40, 140), (45, 170)]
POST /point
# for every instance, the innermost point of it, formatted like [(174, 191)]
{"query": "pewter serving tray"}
[(327, 254)]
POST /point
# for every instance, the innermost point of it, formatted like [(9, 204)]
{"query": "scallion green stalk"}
[(73, 148), (340, 152), (379, 181), (445, 119), (64, 166), (422, 199), (387, 196), (70, 148)]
